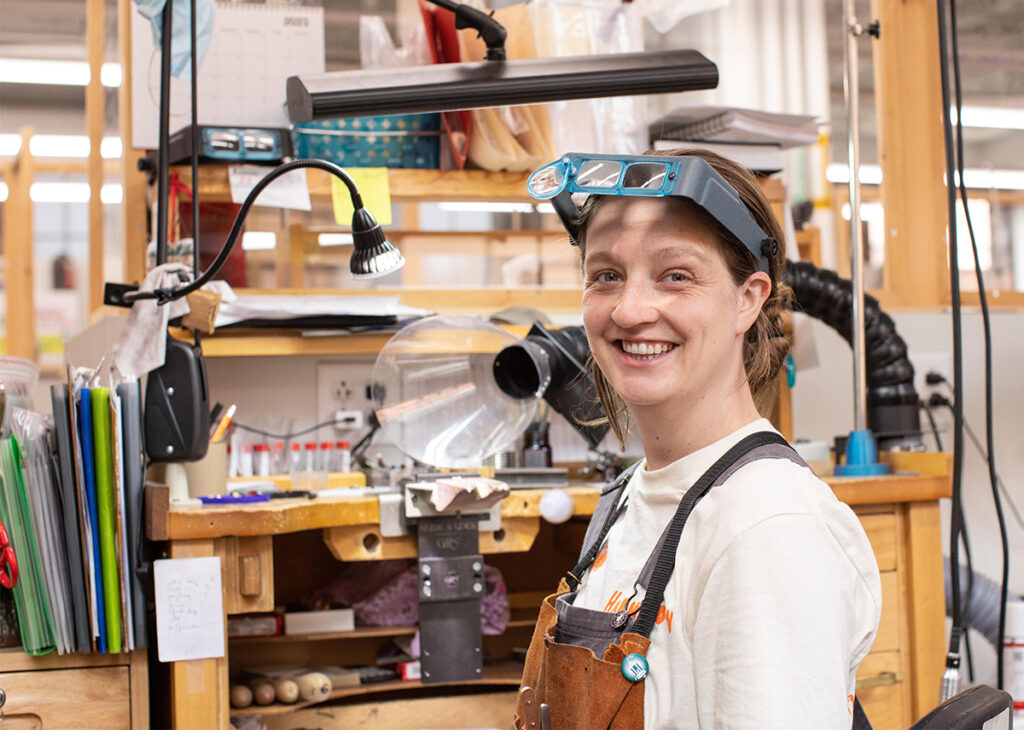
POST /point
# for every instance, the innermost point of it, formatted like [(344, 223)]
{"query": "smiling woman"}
[(764, 348), (777, 597)]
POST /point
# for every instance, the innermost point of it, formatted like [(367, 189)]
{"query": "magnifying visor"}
[(569, 180)]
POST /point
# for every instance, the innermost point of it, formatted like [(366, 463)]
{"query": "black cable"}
[(938, 400), (165, 295), (931, 420), (987, 330), (195, 142), (286, 436), (163, 164), (953, 655)]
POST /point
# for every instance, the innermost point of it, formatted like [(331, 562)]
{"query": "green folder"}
[(106, 506), (34, 619)]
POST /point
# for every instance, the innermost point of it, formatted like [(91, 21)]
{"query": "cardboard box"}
[(319, 622)]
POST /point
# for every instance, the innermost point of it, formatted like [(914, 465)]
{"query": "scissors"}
[(8, 562)]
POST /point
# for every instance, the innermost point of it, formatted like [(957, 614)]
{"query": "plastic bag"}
[(577, 27), (378, 50)]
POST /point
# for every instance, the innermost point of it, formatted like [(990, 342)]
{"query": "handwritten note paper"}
[(189, 609)]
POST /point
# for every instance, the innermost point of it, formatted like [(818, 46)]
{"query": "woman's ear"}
[(753, 293)]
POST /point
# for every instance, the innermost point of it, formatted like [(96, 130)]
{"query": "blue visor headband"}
[(573, 176)]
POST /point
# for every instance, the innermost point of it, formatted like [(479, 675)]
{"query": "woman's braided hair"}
[(765, 347)]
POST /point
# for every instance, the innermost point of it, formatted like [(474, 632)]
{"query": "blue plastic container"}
[(404, 140)]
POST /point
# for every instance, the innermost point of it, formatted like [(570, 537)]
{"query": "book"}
[(65, 470), (134, 482), (106, 510), (87, 452), (733, 124), (763, 159)]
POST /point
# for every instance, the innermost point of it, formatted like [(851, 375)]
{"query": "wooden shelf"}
[(283, 516), (362, 632), (285, 342), (406, 185), (520, 618), (502, 674)]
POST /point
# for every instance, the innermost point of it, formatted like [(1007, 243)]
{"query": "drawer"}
[(883, 691), (881, 532), (67, 698), (888, 636)]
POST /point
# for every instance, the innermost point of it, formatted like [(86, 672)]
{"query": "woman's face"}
[(663, 316)]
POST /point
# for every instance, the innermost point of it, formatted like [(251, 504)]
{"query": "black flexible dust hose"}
[(892, 400)]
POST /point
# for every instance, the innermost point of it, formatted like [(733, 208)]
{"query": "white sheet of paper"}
[(288, 191), (189, 609), (253, 50)]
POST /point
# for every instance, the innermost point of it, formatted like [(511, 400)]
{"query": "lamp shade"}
[(450, 86)]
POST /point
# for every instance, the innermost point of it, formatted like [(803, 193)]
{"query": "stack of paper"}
[(735, 125), (753, 138), (71, 499)]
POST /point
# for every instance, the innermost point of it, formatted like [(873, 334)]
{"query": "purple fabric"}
[(384, 593)]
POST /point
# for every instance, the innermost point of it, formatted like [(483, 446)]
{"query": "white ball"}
[(556, 506)]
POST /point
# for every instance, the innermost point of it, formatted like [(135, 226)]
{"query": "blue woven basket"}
[(404, 140)]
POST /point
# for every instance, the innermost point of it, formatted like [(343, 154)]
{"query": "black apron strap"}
[(609, 505), (667, 558), (860, 719)]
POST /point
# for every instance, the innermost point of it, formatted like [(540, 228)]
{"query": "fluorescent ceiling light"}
[(868, 211), (9, 144), (3, 191), (73, 192), (58, 73), (334, 239), (259, 240), (990, 117), (59, 145), (546, 208), (112, 194), (840, 173), (73, 146), (486, 207), (59, 192), (975, 178)]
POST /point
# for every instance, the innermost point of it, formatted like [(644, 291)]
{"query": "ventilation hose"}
[(892, 400)]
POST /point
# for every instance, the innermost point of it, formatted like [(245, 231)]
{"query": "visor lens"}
[(645, 175), (547, 181), (599, 174)]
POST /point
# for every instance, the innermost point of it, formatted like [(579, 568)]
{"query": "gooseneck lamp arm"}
[(365, 230)]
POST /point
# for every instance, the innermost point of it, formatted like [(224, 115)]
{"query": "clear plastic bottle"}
[(296, 466), (343, 457), (1013, 657), (309, 465), (245, 464), (324, 465), (277, 460), (261, 460)]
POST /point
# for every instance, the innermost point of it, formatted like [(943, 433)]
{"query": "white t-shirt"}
[(773, 603)]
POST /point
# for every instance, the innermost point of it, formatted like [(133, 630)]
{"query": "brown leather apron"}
[(570, 680)]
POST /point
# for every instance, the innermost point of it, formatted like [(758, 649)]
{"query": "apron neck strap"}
[(667, 558), (576, 574)]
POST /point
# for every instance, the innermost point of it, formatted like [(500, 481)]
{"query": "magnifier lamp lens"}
[(547, 182)]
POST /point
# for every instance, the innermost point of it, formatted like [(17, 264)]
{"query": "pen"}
[(218, 432)]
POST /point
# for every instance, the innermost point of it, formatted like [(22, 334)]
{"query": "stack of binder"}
[(71, 498)]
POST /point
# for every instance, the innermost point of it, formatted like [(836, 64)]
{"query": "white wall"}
[(823, 408)]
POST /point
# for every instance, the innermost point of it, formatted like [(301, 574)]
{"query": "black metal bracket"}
[(451, 584)]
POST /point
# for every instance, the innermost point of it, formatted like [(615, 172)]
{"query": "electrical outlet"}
[(341, 388), (932, 362), (348, 420)]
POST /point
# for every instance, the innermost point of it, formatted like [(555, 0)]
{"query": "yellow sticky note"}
[(374, 189)]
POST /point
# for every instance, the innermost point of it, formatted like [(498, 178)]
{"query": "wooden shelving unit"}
[(501, 674)]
